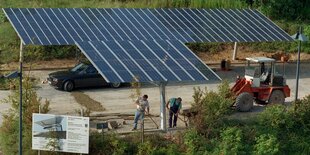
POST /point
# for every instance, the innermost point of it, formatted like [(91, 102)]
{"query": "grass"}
[(3, 84), (9, 43), (87, 102)]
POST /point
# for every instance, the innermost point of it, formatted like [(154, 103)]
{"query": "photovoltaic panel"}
[(64, 26), (146, 60)]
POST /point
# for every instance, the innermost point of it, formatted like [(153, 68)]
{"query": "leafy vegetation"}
[(287, 9), (9, 127), (277, 130)]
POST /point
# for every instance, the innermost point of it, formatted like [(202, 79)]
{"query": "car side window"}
[(91, 70)]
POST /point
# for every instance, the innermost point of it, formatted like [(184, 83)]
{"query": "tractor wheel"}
[(244, 102), (276, 97), (260, 102)]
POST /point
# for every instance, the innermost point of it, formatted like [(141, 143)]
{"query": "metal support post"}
[(272, 73), (39, 152), (298, 66), (20, 150), (82, 115), (162, 87), (142, 130), (235, 51)]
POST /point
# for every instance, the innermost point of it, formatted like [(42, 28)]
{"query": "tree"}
[(287, 9), (9, 128)]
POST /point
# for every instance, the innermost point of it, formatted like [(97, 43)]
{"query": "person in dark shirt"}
[(174, 105)]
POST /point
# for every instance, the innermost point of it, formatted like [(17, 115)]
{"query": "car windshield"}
[(79, 67)]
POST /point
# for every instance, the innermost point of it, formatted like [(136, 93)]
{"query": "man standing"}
[(174, 105), (142, 107)]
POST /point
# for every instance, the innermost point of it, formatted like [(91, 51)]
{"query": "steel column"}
[(235, 51), (20, 150), (162, 91), (298, 67)]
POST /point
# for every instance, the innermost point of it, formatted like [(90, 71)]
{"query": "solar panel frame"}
[(194, 24), (146, 13), (64, 26), (162, 60), (238, 23), (275, 27), (231, 25), (144, 42)]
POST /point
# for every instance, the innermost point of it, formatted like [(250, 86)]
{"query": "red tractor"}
[(260, 83)]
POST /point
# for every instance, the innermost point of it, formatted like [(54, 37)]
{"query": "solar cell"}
[(64, 26), (148, 60), (143, 43)]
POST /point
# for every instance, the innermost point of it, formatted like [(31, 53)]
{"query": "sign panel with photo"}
[(60, 133)]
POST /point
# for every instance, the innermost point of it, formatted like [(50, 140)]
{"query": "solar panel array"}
[(64, 26), (150, 60)]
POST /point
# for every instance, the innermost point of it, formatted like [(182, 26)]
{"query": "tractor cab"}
[(262, 71), (261, 83)]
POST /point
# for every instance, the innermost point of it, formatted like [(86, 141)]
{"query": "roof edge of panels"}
[(77, 44), (291, 39), (219, 78), (167, 40), (4, 10)]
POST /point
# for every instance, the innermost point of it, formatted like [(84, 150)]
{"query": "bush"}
[(287, 9), (2, 17), (9, 128), (266, 144), (145, 148), (49, 52), (276, 118), (210, 107), (231, 141), (286, 127), (194, 142), (208, 47)]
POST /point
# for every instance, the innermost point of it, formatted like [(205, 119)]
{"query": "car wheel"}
[(115, 85), (68, 86)]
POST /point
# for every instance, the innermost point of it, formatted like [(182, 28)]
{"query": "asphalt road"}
[(118, 100)]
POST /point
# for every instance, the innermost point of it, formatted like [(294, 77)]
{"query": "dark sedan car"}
[(82, 75)]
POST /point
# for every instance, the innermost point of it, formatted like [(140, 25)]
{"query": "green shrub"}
[(301, 109), (35, 53), (210, 107), (289, 126), (9, 128), (287, 9), (231, 141), (276, 118), (307, 31), (108, 144), (171, 149), (266, 144), (194, 142), (208, 47), (2, 17), (145, 148)]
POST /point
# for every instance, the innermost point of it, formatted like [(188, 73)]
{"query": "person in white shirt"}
[(143, 107)]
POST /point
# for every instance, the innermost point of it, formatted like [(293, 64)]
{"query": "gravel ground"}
[(118, 100)]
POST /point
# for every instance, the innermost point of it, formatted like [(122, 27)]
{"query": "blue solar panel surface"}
[(148, 60), (64, 26)]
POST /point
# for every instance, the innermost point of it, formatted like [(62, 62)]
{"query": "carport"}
[(145, 45)]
